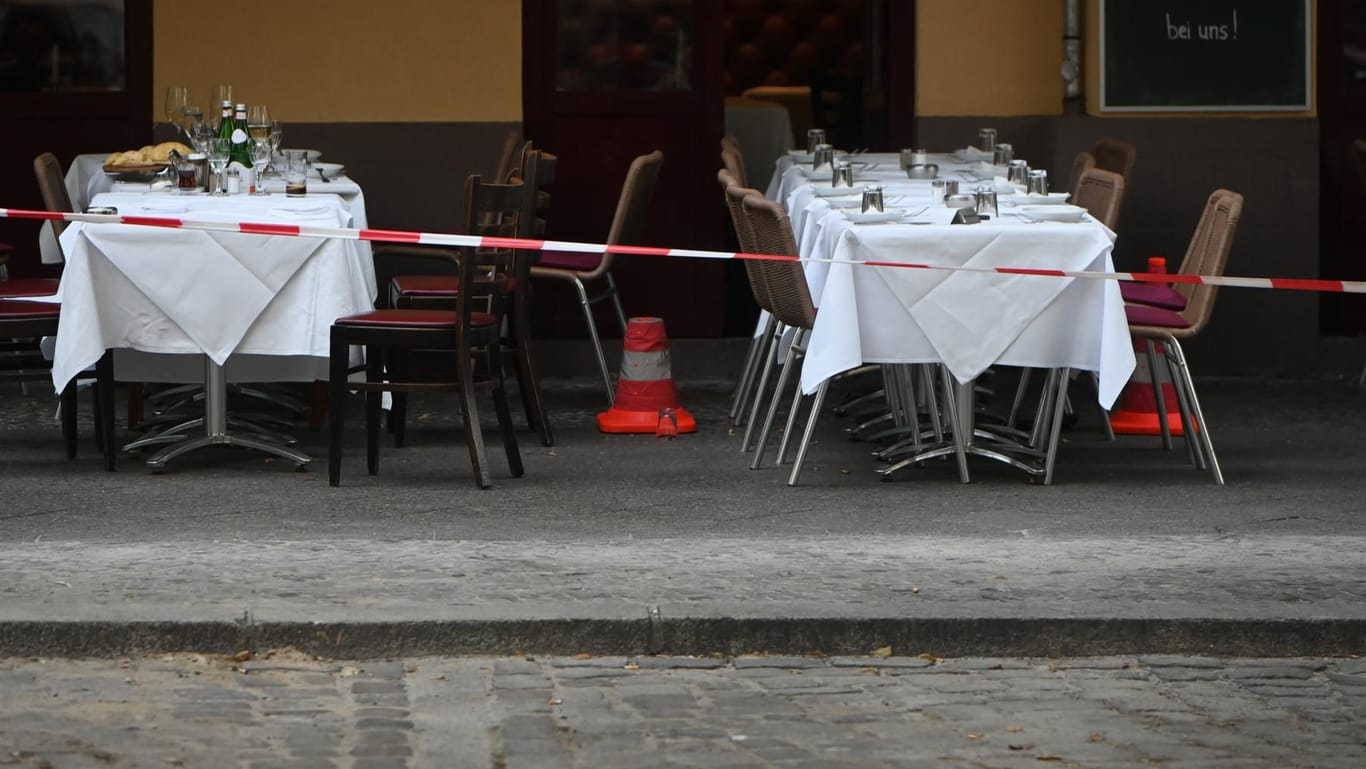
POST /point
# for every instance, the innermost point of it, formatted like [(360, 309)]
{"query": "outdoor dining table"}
[(181, 304), (967, 321)]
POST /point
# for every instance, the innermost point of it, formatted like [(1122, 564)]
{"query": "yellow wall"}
[(349, 60), (988, 57)]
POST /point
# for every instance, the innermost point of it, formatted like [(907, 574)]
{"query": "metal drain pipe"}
[(1073, 99)]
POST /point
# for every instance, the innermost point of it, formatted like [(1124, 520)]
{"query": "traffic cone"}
[(1137, 412), (646, 399)]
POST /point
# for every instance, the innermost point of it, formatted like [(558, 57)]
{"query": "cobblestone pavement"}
[(288, 710)]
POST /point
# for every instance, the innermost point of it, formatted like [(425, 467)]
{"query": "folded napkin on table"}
[(969, 154)]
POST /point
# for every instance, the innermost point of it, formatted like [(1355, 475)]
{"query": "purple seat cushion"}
[(569, 261), (1154, 294), (1144, 315)]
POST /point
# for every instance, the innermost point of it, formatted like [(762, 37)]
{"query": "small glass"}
[(1038, 182), (872, 199), (219, 151), (219, 93), (1018, 173), (296, 173), (667, 426), (986, 201), (815, 137), (187, 174), (986, 140), (823, 154), (841, 174), (1003, 155)]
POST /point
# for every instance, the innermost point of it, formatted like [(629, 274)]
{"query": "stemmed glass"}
[(219, 151), (277, 135), (221, 92), (260, 156), (177, 96)]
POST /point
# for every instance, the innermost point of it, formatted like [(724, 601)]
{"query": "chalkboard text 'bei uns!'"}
[(1211, 32)]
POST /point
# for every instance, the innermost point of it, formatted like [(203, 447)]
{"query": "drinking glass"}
[(219, 151), (296, 173), (191, 116), (177, 96), (201, 136), (260, 157), (220, 93), (277, 135)]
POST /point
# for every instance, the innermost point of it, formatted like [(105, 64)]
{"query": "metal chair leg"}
[(770, 360), (1161, 399), (1201, 426), (597, 341), (1019, 396), (788, 364), (616, 301), (806, 435)]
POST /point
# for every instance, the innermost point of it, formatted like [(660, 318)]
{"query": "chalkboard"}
[(1204, 55)]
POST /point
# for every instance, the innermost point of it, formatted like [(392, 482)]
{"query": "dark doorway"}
[(90, 91), (1342, 120)]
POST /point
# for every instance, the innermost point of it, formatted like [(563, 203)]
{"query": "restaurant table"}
[(193, 305), (967, 321)]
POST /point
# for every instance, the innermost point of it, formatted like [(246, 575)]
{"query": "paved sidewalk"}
[(872, 712), (630, 545)]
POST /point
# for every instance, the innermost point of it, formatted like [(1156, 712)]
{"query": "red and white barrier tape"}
[(457, 241)]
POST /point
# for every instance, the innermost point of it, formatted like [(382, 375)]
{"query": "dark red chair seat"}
[(437, 285), (1153, 294), (567, 260), (15, 310), (1143, 315), (413, 319)]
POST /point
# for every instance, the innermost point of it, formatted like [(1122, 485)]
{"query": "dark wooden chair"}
[(34, 320), (536, 169), (463, 333)]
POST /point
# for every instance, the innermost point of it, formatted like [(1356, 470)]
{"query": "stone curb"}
[(941, 637)]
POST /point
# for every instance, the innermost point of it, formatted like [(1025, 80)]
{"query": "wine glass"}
[(177, 96), (219, 152), (202, 136), (260, 156), (191, 117), (220, 93)]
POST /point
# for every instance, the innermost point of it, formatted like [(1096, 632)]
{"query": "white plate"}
[(1058, 213), (826, 191), (870, 217), (328, 171), (1051, 199)]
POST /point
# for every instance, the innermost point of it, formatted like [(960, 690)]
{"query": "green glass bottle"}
[(241, 146)]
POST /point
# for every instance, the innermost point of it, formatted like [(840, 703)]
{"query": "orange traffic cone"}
[(646, 399), (1137, 412)]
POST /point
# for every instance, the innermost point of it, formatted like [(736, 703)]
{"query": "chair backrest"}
[(744, 232), (48, 170), (510, 156), (729, 142), (1115, 155), (501, 210), (784, 280), (1083, 161), (734, 162), (545, 165), (633, 207), (1208, 254), (1101, 193)]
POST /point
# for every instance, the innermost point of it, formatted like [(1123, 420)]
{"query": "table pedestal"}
[(215, 424)]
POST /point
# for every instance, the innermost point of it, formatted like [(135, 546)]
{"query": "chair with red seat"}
[(1207, 255), (463, 333), (628, 228), (535, 169)]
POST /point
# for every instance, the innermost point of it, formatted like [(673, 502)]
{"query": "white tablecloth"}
[(968, 321), (86, 178), (184, 293)]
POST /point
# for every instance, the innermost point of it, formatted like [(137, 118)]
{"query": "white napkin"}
[(970, 154)]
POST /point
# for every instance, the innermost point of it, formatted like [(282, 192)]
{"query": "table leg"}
[(216, 427)]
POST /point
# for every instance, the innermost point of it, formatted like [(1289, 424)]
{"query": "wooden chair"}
[(536, 169), (579, 270), (463, 332), (1207, 255)]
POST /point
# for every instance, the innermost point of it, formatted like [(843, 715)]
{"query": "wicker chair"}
[(759, 357), (1080, 164), (1101, 193), (1207, 255), (789, 301), (1115, 155)]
